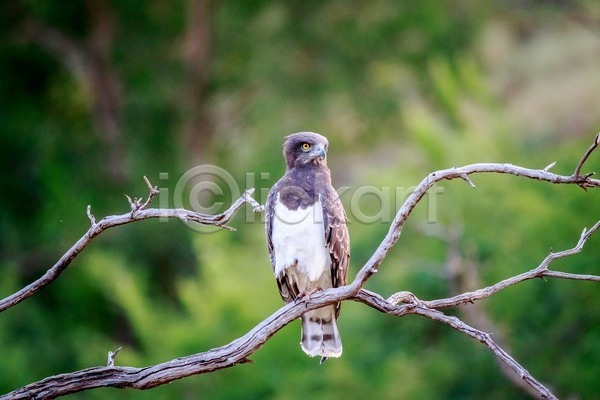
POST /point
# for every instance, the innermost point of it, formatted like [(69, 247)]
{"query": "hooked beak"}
[(319, 151)]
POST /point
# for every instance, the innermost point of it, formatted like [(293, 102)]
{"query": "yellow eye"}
[(305, 146)]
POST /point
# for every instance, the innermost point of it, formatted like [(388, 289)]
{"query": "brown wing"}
[(269, 214), (336, 237)]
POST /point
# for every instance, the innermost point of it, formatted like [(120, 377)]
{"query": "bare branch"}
[(466, 178), (111, 357), (540, 271), (459, 173), (586, 155), (404, 297), (153, 191), (238, 351), (138, 213), (462, 275), (549, 166), (136, 204), (486, 339), (377, 302), (90, 215), (234, 353), (576, 277), (133, 204)]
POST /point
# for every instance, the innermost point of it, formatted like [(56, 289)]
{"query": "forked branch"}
[(139, 212), (239, 351)]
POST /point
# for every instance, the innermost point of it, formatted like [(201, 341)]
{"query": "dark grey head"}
[(304, 148)]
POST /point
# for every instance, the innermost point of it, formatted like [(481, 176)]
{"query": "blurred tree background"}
[(96, 94)]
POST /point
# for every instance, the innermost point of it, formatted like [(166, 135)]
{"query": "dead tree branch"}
[(541, 271), (239, 350), (139, 212), (583, 181)]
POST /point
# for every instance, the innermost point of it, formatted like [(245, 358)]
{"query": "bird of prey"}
[(307, 238)]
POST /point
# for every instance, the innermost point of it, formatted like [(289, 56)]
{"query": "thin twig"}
[(90, 215), (153, 191), (111, 357), (133, 204), (466, 178), (549, 166), (585, 156)]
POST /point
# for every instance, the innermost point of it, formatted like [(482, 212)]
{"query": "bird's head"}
[(305, 148)]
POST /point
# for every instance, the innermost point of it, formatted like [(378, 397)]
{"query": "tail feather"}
[(320, 335)]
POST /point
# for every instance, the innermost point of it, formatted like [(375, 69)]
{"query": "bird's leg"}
[(305, 295)]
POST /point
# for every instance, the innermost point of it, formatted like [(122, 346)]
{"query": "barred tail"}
[(320, 335)]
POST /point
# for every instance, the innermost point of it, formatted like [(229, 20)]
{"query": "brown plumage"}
[(307, 238)]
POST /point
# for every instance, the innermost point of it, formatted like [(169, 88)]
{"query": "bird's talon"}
[(305, 295)]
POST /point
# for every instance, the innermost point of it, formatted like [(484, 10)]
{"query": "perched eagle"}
[(307, 238)]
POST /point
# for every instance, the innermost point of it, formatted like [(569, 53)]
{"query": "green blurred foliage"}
[(400, 88)]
